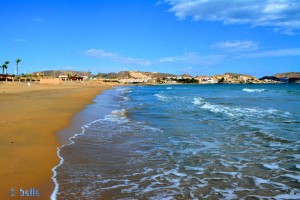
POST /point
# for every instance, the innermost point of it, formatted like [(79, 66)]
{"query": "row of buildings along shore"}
[(131, 77), (154, 77)]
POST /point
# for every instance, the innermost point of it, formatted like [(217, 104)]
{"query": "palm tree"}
[(17, 62), (3, 67), (6, 63)]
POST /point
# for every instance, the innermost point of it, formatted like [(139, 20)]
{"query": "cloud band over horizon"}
[(231, 50)]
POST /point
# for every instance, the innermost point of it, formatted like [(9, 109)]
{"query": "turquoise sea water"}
[(186, 142)]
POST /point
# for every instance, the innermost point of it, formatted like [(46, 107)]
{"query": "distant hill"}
[(270, 78), (235, 78), (186, 75), (288, 75), (57, 73), (134, 75)]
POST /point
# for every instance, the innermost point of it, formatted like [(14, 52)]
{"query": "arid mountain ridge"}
[(133, 74)]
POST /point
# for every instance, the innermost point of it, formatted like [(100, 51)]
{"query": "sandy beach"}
[(30, 118)]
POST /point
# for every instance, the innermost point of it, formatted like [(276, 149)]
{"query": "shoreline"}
[(77, 127), (32, 117)]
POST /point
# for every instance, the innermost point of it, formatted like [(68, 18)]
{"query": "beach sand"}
[(30, 117)]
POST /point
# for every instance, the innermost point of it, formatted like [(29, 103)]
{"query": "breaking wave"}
[(161, 97), (254, 90), (235, 112), (191, 142)]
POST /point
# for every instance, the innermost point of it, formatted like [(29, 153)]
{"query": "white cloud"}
[(273, 53), (275, 8), (193, 58), (230, 50), (198, 59), (282, 15), (236, 46), (99, 53)]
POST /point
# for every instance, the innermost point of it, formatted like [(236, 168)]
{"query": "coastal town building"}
[(137, 80), (206, 80), (63, 77), (186, 76), (155, 77)]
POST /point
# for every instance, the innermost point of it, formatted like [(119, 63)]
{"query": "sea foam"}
[(271, 166), (234, 112), (161, 97), (54, 169), (254, 90)]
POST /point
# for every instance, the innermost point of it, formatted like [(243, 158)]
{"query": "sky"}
[(198, 37)]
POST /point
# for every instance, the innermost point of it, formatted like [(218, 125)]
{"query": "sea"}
[(220, 141)]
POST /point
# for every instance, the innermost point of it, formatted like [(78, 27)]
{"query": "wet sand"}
[(30, 117)]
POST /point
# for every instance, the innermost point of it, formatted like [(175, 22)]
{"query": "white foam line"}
[(294, 194), (254, 90), (54, 193), (271, 166)]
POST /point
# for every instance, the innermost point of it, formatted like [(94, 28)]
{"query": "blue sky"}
[(199, 37)]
